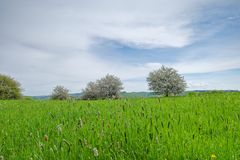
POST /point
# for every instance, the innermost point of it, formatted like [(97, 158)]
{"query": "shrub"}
[(166, 81), (106, 87), (60, 93), (9, 88)]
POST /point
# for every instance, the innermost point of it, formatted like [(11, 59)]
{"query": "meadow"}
[(201, 126)]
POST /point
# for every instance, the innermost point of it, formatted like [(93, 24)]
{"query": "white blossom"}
[(95, 152)]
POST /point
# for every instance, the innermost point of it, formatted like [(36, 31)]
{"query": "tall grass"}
[(190, 127)]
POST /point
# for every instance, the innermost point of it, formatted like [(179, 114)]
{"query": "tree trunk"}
[(167, 94)]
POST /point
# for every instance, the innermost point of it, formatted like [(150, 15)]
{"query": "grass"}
[(190, 127)]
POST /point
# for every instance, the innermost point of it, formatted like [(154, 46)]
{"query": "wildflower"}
[(85, 142), (95, 152), (46, 138), (59, 128), (213, 157), (99, 113), (55, 148), (80, 123), (51, 149), (157, 140), (41, 146)]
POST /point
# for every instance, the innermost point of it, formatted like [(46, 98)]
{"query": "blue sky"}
[(50, 42)]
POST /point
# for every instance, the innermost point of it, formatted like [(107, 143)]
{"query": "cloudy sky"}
[(49, 42)]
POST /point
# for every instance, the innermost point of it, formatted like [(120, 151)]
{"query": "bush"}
[(60, 93), (91, 91), (106, 87), (9, 88), (29, 98), (166, 81)]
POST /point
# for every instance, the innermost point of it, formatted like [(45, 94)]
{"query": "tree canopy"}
[(166, 81), (9, 88), (106, 87), (60, 93)]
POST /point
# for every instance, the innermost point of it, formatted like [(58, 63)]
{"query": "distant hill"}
[(44, 97), (123, 94), (136, 94), (133, 94)]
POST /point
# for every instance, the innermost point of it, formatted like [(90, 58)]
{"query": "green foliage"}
[(166, 81), (215, 91), (137, 94), (105, 88), (60, 93), (9, 88), (28, 98), (188, 127), (201, 93), (91, 91)]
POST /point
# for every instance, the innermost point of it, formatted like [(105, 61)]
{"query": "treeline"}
[(108, 87), (165, 81)]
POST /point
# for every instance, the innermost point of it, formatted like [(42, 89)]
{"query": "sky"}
[(55, 42)]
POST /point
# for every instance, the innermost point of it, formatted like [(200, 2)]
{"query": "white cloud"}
[(195, 85), (145, 24), (44, 43)]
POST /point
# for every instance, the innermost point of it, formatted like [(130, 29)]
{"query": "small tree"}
[(106, 87), (60, 93), (91, 91), (9, 88), (166, 81), (109, 86)]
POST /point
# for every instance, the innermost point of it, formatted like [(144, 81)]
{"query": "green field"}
[(189, 127)]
